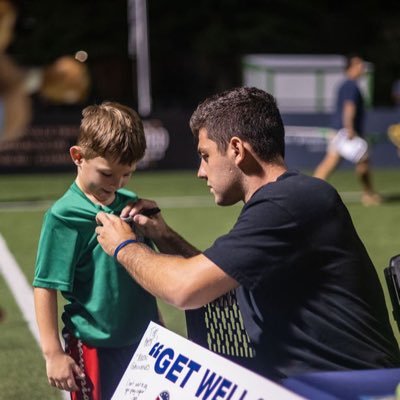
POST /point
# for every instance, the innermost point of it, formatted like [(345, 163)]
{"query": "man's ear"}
[(238, 149), (76, 154)]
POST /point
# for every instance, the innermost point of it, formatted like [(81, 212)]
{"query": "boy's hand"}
[(61, 372)]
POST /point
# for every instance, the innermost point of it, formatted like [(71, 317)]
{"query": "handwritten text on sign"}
[(169, 367)]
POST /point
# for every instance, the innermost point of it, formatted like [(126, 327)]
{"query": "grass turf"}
[(195, 216)]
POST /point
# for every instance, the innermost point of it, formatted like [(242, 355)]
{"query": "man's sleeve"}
[(259, 243), (350, 93)]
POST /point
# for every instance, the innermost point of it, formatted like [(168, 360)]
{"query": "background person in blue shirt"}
[(349, 115)]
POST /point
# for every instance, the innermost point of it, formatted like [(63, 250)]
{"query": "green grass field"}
[(189, 208)]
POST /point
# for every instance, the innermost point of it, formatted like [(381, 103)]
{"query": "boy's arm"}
[(59, 366), (46, 318)]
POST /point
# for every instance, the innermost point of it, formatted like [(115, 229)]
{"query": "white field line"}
[(22, 292), (163, 202), (19, 287)]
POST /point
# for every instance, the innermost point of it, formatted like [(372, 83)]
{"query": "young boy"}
[(107, 312)]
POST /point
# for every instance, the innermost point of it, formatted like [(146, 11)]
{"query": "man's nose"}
[(201, 174)]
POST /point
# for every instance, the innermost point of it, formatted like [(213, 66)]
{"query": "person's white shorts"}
[(354, 150)]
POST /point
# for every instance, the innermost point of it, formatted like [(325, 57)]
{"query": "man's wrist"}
[(122, 245)]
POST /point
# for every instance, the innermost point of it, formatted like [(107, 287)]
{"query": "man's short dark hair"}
[(248, 113)]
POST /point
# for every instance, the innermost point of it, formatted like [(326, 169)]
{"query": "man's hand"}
[(112, 231), (152, 226), (351, 134)]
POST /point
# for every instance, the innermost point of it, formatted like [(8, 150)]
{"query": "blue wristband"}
[(122, 245)]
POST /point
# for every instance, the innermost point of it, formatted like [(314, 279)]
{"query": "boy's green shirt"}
[(106, 308)]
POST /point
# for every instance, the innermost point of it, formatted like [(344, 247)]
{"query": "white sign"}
[(302, 82), (168, 367)]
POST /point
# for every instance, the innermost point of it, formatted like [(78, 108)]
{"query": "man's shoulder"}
[(349, 86), (294, 181), (297, 192)]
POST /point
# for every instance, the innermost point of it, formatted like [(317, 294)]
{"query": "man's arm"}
[(183, 282), (170, 242), (348, 115), (155, 228)]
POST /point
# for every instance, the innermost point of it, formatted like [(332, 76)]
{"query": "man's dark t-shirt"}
[(349, 91), (309, 294)]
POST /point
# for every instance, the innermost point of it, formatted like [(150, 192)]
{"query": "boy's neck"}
[(92, 198)]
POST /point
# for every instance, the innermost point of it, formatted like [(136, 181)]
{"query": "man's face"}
[(99, 178), (358, 67), (220, 171)]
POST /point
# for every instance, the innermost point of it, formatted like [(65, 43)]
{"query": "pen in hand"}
[(148, 212)]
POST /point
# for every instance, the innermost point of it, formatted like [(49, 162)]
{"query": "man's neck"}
[(268, 173)]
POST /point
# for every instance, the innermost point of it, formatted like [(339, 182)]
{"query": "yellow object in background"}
[(394, 134)]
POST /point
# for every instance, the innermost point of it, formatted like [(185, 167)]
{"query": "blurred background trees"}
[(196, 47)]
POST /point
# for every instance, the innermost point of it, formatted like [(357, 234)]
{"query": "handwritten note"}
[(168, 367)]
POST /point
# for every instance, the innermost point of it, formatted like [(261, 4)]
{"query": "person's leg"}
[(369, 196), (327, 165), (113, 363)]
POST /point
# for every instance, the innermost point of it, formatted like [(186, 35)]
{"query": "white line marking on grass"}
[(33, 205), (163, 202), (19, 287), (22, 292)]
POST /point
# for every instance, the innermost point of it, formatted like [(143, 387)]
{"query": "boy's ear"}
[(76, 154)]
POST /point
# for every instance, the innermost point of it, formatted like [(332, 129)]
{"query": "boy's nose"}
[(117, 183)]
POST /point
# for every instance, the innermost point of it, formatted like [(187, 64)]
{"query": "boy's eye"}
[(106, 174)]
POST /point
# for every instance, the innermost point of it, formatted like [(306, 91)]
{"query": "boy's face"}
[(99, 178)]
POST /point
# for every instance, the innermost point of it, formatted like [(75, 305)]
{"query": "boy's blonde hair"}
[(112, 130)]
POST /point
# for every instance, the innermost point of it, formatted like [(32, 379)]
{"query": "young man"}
[(106, 312), (307, 290), (349, 115)]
